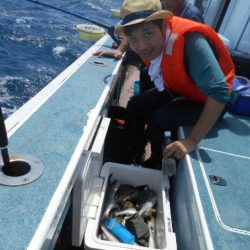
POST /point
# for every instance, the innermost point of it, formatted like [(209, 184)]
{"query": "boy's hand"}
[(179, 148), (113, 53)]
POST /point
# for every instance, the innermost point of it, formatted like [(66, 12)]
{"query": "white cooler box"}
[(126, 174)]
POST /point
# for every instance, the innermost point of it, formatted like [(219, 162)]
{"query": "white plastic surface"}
[(127, 174)]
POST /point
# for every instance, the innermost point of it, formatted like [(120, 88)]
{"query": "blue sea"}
[(38, 43)]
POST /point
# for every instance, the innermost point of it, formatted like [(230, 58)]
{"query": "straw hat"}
[(137, 11)]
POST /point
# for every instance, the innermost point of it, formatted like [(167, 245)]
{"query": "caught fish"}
[(146, 202), (126, 204), (151, 228), (128, 192), (149, 212), (126, 212), (139, 227), (108, 235), (110, 200)]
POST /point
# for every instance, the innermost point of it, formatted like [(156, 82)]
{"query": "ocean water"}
[(38, 43)]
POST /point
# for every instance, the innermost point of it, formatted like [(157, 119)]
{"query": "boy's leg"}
[(138, 110), (141, 107)]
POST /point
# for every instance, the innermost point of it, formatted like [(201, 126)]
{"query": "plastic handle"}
[(3, 133)]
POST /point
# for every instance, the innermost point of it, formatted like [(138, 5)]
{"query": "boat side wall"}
[(189, 222)]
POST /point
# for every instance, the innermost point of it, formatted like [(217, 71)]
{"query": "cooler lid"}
[(86, 196)]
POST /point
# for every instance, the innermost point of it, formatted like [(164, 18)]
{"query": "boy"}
[(180, 8), (192, 71)]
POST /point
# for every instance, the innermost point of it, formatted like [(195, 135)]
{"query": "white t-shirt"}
[(155, 72)]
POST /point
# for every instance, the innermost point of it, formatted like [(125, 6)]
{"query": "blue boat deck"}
[(51, 134), (225, 152)]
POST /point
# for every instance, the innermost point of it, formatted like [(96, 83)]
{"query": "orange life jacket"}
[(173, 66)]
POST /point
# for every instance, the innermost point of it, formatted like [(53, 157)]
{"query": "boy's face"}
[(147, 40)]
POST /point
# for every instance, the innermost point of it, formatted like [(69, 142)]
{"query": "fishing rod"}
[(110, 29), (3, 140)]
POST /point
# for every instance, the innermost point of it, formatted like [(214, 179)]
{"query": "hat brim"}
[(161, 14)]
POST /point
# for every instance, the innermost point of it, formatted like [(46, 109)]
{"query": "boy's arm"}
[(117, 53), (206, 72)]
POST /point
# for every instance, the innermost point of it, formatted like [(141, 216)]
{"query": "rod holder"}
[(19, 169)]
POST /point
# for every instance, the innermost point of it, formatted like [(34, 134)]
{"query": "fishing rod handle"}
[(3, 133)]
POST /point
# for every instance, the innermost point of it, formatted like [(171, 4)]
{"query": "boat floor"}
[(225, 154)]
